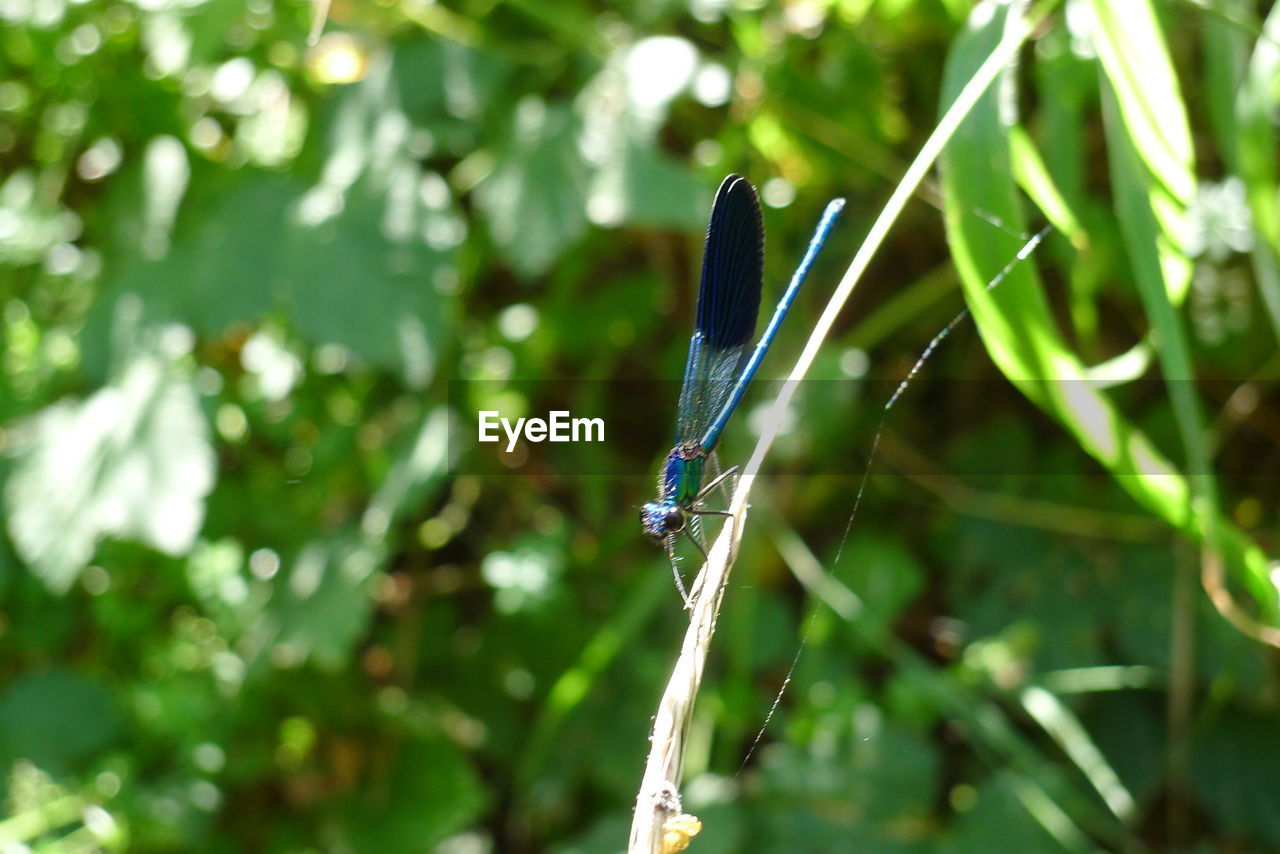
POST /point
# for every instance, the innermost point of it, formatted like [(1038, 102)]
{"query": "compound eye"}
[(653, 519), (673, 521)]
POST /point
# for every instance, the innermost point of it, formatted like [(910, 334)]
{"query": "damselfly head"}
[(660, 520)]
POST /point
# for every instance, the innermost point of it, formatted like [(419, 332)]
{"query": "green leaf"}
[(1233, 772), (350, 282), (54, 720), (363, 275), (1066, 87), (641, 185), (883, 780), (1152, 223), (623, 111), (574, 685), (1131, 730), (998, 811), (210, 26), (431, 793), (885, 575), (603, 835), (447, 84), (323, 604), (132, 461), (221, 267), (536, 197)]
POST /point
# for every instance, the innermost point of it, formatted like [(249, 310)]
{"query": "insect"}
[(720, 365)]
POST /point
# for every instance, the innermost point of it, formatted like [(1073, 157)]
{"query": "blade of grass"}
[(1132, 51), (1124, 368), (1135, 58), (1064, 89), (1065, 728), (1226, 54), (1088, 680), (1033, 176), (1255, 159), (1155, 258), (1257, 137)]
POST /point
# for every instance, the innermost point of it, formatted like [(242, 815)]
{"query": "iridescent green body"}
[(679, 483), (682, 479)]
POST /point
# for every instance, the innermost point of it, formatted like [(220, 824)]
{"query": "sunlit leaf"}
[(322, 603), (623, 109), (641, 185), (365, 275), (535, 199), (132, 460), (1135, 56)]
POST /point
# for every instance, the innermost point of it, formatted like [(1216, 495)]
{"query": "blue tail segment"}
[(820, 234)]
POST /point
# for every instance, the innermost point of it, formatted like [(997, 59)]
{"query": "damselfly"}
[(720, 366)]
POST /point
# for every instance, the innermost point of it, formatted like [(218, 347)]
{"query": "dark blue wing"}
[(728, 302)]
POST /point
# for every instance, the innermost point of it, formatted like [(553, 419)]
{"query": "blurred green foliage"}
[(258, 594)]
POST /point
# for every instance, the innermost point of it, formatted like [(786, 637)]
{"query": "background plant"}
[(250, 601)]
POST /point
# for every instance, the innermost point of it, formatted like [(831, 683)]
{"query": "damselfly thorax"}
[(679, 484)]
